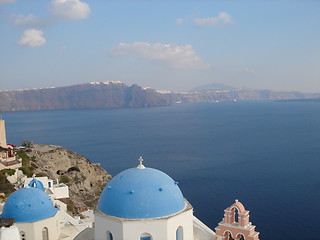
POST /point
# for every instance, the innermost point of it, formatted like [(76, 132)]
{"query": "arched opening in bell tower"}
[(235, 215), (228, 236)]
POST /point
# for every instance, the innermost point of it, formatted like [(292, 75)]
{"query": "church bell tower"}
[(3, 140)]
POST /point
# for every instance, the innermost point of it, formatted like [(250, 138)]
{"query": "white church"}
[(139, 203)]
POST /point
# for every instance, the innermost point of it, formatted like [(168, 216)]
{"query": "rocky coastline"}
[(86, 180)]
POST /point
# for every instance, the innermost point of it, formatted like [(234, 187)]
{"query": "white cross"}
[(140, 166)]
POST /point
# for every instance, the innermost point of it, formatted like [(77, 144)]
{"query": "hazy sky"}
[(166, 45)]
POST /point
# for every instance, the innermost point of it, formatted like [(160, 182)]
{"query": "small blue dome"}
[(141, 193), (35, 183), (28, 205)]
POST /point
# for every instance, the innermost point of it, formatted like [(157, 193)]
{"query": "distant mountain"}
[(90, 95), (212, 87)]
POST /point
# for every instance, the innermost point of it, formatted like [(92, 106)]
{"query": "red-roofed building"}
[(8, 158)]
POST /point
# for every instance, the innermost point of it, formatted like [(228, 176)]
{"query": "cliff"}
[(237, 94), (117, 94), (90, 95), (85, 180)]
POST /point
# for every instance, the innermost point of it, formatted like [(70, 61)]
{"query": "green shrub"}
[(27, 171), (23, 155), (9, 171), (64, 179), (42, 174), (25, 158), (24, 162), (70, 206), (5, 187)]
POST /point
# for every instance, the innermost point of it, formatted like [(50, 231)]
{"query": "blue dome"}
[(35, 183), (141, 193), (28, 205)]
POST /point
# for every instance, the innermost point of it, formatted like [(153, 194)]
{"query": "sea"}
[(266, 154)]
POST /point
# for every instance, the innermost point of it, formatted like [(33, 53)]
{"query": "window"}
[(179, 233), (49, 184), (23, 236), (109, 236), (146, 236), (45, 235)]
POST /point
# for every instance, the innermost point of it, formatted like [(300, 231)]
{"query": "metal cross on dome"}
[(140, 166)]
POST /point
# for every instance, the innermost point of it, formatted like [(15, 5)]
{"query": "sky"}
[(166, 45)]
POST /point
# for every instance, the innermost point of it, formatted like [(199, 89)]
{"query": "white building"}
[(39, 216), (35, 215), (57, 191), (8, 231), (144, 204)]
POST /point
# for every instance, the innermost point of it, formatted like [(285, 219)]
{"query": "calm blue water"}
[(266, 154)]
